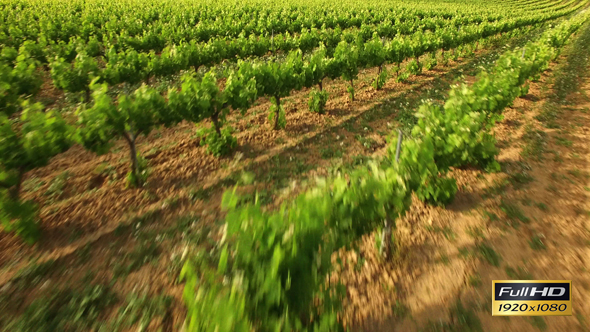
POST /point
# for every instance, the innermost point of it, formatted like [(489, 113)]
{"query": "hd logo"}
[(531, 298)]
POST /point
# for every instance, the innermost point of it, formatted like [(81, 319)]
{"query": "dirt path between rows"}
[(529, 221)]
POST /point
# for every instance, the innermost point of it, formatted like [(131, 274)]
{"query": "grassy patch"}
[(465, 319), (359, 160), (542, 206), (331, 152), (200, 194), (32, 184), (538, 322), (350, 126), (444, 259), (518, 274), (262, 197), (366, 142), (513, 212), (498, 188), (475, 280), (563, 141), (400, 310), (461, 319), (84, 253), (536, 143), (536, 243), (488, 254), (465, 252), (174, 267), (552, 188), (548, 115), (557, 157), (57, 186), (65, 310), (172, 202), (520, 179), (301, 167), (142, 254), (476, 233), (359, 264), (578, 173), (446, 231), (560, 177), (140, 310), (33, 273), (490, 216), (106, 170)]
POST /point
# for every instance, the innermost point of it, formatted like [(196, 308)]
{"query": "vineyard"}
[(287, 165)]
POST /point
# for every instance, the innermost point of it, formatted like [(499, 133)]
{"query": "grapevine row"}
[(271, 274), (130, 116), (45, 20), (133, 67), (130, 66)]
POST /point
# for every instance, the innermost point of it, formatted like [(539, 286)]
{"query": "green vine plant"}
[(218, 143), (403, 77), (277, 80), (28, 141), (317, 101), (430, 62), (276, 112), (380, 80), (346, 58), (395, 69), (374, 54), (128, 117), (444, 59), (414, 67), (315, 70), (18, 81), (75, 77), (205, 99)]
